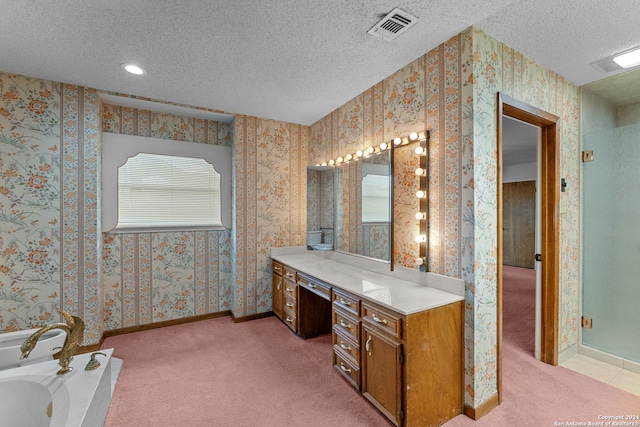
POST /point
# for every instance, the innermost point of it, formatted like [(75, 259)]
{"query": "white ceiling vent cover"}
[(395, 23)]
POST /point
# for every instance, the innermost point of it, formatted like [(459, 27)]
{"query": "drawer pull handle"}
[(290, 305), (379, 320), (344, 368), (288, 290), (276, 268), (312, 286), (289, 319), (344, 346), (289, 274), (345, 325), (367, 345), (279, 283), (343, 302)]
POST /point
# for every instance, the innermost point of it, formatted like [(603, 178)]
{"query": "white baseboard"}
[(609, 358)]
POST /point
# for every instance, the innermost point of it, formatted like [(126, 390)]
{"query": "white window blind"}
[(168, 191), (375, 198)]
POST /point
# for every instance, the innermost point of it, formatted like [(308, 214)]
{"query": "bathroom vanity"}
[(397, 341)]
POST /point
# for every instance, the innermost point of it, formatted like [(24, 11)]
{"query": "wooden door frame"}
[(549, 221)]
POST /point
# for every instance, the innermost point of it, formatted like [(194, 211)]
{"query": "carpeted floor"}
[(217, 373), (258, 373), (534, 393)]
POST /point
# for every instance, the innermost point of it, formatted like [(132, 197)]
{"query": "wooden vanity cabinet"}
[(409, 366), (276, 289), (290, 298), (382, 360), (346, 336)]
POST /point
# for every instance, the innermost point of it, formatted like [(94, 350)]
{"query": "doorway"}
[(549, 189)]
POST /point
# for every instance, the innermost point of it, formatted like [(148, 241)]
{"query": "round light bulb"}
[(419, 150), (413, 136), (421, 215), (420, 238), (339, 160), (332, 162), (383, 146), (419, 171), (359, 153), (348, 157), (370, 150), (420, 194), (397, 140), (419, 261), (317, 164)]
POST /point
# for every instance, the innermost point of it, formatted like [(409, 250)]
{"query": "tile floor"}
[(613, 375)]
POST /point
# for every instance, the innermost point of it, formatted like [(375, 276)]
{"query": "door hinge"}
[(587, 156), (401, 359), (587, 322)]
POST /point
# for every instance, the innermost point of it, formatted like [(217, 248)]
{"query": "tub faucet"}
[(74, 327)]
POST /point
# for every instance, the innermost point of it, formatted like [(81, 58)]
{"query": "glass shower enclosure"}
[(611, 242)]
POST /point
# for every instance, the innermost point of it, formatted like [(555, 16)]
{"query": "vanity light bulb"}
[(324, 163), (317, 164), (383, 146), (420, 194), (421, 238), (339, 160), (419, 261), (419, 151), (413, 136), (359, 153), (370, 150), (349, 157), (421, 215), (419, 171), (397, 140), (332, 162)]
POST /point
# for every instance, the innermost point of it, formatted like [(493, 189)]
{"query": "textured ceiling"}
[(293, 61)]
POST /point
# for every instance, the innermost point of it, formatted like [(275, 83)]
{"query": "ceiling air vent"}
[(395, 23)]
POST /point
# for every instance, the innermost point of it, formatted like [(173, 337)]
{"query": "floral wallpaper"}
[(451, 91), (152, 277), (50, 152), (271, 211)]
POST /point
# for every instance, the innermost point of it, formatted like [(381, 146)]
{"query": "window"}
[(168, 191), (151, 184), (375, 198)]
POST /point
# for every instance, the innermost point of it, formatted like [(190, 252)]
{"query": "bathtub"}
[(34, 396)]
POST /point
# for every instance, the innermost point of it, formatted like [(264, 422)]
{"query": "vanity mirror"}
[(367, 204)]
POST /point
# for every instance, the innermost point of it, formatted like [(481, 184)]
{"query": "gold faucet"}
[(75, 334)]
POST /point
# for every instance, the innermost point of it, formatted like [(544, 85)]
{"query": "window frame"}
[(118, 148)]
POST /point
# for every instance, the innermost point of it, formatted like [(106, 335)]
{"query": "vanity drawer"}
[(290, 289), (290, 303), (350, 372), (290, 319), (383, 319), (346, 347), (289, 272), (277, 268), (348, 325), (315, 286), (346, 302)]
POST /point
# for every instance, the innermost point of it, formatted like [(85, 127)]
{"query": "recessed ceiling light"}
[(134, 69), (629, 59)]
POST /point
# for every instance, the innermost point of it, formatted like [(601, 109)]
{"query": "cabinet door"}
[(276, 302), (382, 372)]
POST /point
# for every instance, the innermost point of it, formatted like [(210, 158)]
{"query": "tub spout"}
[(74, 327)]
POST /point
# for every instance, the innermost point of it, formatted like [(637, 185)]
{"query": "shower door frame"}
[(550, 223)]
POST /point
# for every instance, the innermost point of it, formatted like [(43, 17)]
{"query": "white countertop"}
[(400, 295)]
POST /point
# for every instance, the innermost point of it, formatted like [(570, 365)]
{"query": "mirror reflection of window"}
[(376, 203)]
